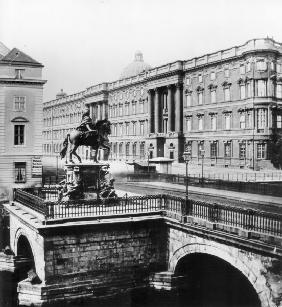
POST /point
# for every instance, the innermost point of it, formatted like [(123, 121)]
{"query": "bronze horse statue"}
[(90, 138)]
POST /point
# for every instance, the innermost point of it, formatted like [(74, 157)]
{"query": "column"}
[(169, 108), (178, 108), (103, 110), (157, 111), (150, 112), (98, 111)]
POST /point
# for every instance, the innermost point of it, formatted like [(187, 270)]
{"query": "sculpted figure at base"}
[(107, 189), (88, 135)]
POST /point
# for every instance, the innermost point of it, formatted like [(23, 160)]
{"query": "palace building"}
[(21, 99), (225, 107)]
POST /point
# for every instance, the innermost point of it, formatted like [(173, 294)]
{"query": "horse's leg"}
[(96, 153), (74, 152)]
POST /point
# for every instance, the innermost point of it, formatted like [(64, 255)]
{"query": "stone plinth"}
[(87, 172)]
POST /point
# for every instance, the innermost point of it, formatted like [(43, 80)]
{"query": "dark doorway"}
[(212, 282)]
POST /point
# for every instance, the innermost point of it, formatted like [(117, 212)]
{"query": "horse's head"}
[(103, 126)]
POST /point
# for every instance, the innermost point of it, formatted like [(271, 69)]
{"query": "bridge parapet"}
[(216, 216)]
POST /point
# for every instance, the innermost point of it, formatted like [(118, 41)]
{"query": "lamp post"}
[(203, 156), (148, 160), (187, 157)]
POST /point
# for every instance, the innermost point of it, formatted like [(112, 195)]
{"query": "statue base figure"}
[(87, 181)]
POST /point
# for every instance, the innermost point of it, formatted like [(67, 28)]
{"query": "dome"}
[(136, 67), (61, 94)]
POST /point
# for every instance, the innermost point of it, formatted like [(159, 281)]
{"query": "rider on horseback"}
[(86, 123)]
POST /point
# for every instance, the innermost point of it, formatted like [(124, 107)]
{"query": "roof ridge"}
[(16, 55)]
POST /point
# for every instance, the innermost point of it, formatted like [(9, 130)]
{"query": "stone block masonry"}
[(98, 260)]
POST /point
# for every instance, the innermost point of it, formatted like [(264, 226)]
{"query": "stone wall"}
[(116, 254)]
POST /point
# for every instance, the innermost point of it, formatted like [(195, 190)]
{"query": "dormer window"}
[(19, 73)]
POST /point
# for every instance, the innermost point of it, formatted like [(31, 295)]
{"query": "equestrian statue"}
[(87, 134)]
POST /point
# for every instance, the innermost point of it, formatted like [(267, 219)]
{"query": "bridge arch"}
[(250, 268), (23, 247)]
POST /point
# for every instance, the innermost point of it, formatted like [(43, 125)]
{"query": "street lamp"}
[(202, 152), (187, 158)]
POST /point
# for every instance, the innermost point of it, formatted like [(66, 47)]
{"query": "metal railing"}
[(166, 205), (265, 188)]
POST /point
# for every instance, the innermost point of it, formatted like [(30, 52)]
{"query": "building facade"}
[(21, 99), (223, 107)]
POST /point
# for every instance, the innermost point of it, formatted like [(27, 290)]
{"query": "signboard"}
[(36, 168)]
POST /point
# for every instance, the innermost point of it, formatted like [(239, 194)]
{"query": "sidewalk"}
[(231, 195)]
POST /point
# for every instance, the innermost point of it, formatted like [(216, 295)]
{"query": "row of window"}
[(245, 120), (57, 147), (57, 134), (65, 119), (245, 91), (227, 150), (124, 149), (128, 128), (261, 65), (128, 108), (128, 93)]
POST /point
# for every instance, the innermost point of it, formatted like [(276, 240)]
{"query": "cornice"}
[(22, 81), (166, 74), (22, 64)]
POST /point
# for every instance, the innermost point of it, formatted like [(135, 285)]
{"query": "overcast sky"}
[(85, 42)]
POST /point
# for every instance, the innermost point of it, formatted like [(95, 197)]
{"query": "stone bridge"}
[(89, 249)]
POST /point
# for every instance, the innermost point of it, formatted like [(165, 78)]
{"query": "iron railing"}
[(265, 188), (167, 205)]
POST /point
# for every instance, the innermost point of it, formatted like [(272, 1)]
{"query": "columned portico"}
[(165, 120)]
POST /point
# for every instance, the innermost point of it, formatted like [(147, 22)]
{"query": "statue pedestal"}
[(85, 179)]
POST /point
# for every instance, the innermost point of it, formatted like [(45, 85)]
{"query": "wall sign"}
[(36, 168)]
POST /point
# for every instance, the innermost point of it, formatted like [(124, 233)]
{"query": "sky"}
[(85, 42)]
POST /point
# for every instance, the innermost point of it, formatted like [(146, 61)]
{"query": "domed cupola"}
[(136, 67)]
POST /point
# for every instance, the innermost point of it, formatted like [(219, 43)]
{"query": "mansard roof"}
[(16, 56)]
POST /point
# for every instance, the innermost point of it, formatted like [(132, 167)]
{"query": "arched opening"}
[(9, 280), (24, 251), (210, 281)]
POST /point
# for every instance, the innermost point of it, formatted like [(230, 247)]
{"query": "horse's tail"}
[(65, 148)]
